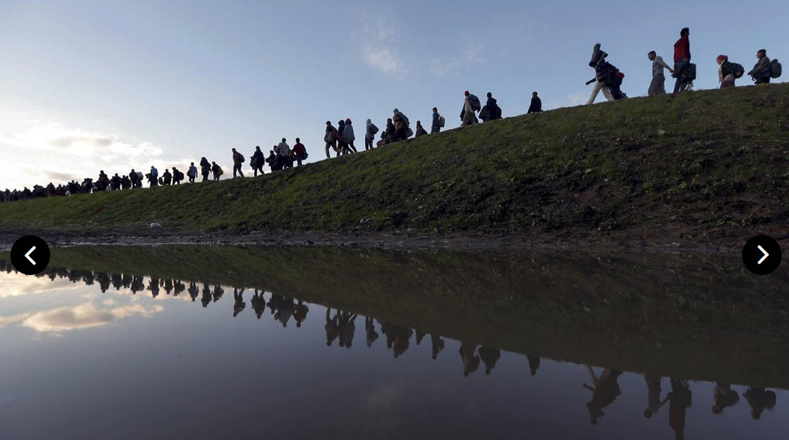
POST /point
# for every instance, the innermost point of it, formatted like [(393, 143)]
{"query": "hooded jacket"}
[(347, 135)]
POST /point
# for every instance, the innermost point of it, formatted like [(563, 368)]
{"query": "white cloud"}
[(381, 59), (380, 48), (469, 54)]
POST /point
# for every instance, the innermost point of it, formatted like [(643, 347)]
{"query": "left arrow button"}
[(22, 253)]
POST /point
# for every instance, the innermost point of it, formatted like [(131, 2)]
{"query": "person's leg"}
[(327, 150), (607, 93), (679, 72), (595, 90), (352, 147)]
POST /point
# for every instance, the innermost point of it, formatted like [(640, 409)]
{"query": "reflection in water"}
[(340, 325)]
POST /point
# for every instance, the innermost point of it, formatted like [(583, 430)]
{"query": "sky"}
[(93, 85)]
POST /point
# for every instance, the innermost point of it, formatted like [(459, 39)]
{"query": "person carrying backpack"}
[(761, 71), (369, 135), (494, 111), (283, 155), (602, 75), (154, 176), (205, 168), (192, 173), (728, 72), (300, 151), (471, 105), (682, 60), (257, 161), (658, 84), (401, 126), (238, 159), (217, 170), (438, 122)]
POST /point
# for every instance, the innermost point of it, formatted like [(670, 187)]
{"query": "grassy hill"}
[(704, 164)]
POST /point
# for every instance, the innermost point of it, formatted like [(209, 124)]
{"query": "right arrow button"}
[(761, 255)]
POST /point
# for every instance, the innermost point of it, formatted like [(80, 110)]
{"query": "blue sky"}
[(89, 85)]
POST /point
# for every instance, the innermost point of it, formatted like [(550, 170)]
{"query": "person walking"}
[(761, 71), (238, 159), (420, 131), (205, 168), (283, 155), (470, 106), (435, 127), (401, 125), (257, 161), (369, 134), (681, 59), (154, 176), (217, 170), (727, 73), (192, 173), (494, 111), (536, 103), (331, 139), (658, 84), (349, 136), (601, 70), (300, 151)]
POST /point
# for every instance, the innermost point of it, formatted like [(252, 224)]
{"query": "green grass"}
[(715, 160)]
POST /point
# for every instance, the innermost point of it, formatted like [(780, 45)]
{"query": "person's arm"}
[(663, 64)]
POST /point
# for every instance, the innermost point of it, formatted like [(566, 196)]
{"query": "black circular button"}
[(30, 255), (761, 255)]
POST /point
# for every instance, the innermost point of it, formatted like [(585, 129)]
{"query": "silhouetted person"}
[(489, 356), (257, 161), (178, 287), (332, 327), (347, 329), (218, 292), (205, 169), (397, 338), (168, 285), (258, 303), (284, 309), (605, 390), (153, 286), (679, 400), (137, 285), (469, 358), (238, 302), (759, 399), (724, 397), (300, 313), (206, 298), (653, 401), (437, 345), (193, 291), (369, 328), (534, 364)]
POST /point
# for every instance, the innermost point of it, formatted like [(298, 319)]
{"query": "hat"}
[(348, 121), (722, 58), (466, 93)]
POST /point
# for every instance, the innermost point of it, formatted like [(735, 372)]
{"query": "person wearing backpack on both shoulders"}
[(257, 161), (658, 84), (401, 126), (536, 103), (238, 159), (299, 151), (369, 134), (761, 71), (435, 127), (217, 170), (471, 105), (205, 168)]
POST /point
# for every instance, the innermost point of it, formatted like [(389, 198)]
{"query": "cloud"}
[(470, 53), (84, 316), (5, 321), (381, 59), (380, 46)]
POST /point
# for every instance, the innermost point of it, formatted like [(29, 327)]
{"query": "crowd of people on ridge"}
[(340, 139)]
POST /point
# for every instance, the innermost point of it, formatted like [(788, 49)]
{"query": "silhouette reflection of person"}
[(258, 303), (534, 364), (347, 329), (419, 337), (218, 292), (332, 327), (300, 313), (238, 301), (679, 400), (489, 357), (653, 401), (469, 358), (284, 307), (206, 298), (369, 328), (724, 397), (397, 338), (193, 291), (605, 390), (179, 288), (137, 285), (153, 286), (437, 344), (759, 399)]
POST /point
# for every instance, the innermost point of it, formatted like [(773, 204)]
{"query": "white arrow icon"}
[(27, 255), (759, 247)]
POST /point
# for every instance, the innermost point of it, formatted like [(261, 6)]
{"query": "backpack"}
[(474, 101), (775, 69), (441, 121), (405, 119), (219, 171), (484, 114), (241, 158), (690, 72), (373, 129), (736, 69)]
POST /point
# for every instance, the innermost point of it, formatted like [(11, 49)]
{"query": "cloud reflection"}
[(79, 317)]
